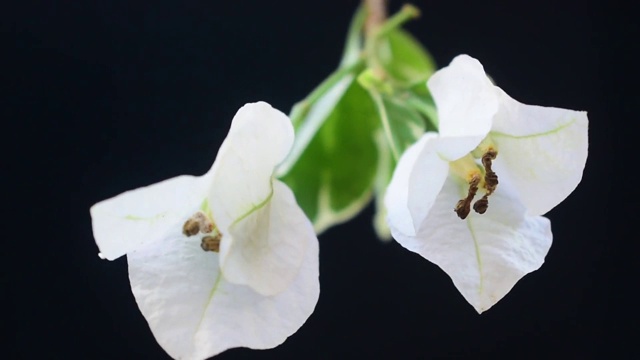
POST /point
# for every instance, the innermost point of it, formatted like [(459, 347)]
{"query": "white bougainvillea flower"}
[(469, 198), (224, 260)]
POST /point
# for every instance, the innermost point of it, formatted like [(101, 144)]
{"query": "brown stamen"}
[(481, 205), (197, 223), (490, 181), (463, 207), (490, 177), (211, 242), (191, 227)]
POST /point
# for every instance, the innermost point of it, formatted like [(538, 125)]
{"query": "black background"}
[(104, 97)]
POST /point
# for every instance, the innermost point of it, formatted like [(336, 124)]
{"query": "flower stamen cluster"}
[(201, 223), (198, 223), (490, 181), (473, 172)]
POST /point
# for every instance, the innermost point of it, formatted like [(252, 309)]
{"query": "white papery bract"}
[(541, 153), (261, 286)]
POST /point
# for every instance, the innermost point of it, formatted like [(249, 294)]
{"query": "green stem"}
[(301, 108), (375, 34), (376, 15), (408, 12), (353, 44), (384, 118), (318, 92)]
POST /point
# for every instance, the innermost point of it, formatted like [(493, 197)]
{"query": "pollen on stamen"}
[(211, 242), (481, 205), (199, 222), (190, 227), (463, 207), (490, 177)]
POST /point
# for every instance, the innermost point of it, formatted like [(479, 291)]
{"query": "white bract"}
[(513, 162), (224, 260)]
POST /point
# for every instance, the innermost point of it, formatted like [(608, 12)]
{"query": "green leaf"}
[(419, 98), (402, 124), (403, 58), (405, 123), (401, 127), (309, 114), (349, 134), (332, 176)]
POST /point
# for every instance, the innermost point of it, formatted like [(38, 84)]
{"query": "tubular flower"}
[(469, 198), (224, 260)]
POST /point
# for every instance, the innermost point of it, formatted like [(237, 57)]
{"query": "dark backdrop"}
[(107, 96)]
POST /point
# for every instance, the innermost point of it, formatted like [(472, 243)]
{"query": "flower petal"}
[(485, 255), (466, 100), (542, 151), (427, 177), (259, 139), (127, 221), (173, 281), (417, 180), (266, 248), (240, 312), (194, 313), (396, 198)]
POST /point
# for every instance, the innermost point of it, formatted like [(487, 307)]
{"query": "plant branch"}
[(376, 15)]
